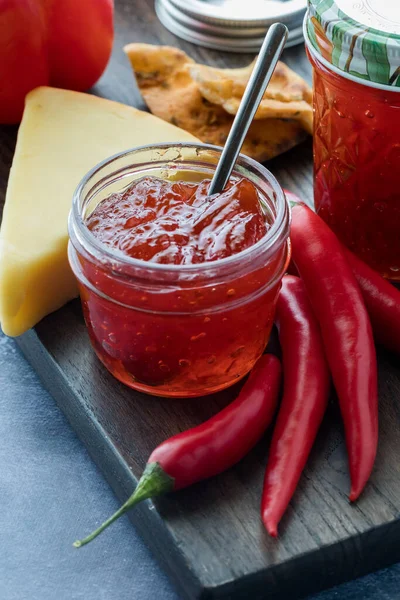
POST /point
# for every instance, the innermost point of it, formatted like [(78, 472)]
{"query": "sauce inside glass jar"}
[(357, 163), (354, 50), (178, 222), (178, 288)]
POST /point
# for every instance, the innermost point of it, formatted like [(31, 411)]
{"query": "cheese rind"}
[(62, 135)]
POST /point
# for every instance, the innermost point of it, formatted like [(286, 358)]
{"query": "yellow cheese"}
[(63, 134)]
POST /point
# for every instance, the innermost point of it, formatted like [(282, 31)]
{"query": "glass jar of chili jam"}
[(169, 329), (354, 48)]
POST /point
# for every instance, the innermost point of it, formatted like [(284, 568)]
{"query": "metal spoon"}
[(263, 69)]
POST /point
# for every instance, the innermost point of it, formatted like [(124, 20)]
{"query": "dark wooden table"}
[(210, 538)]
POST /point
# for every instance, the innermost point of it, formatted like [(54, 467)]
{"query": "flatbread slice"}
[(287, 96), (165, 82)]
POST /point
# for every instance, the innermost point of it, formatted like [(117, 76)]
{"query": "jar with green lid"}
[(354, 48)]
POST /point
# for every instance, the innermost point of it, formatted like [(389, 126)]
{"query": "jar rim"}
[(272, 239)]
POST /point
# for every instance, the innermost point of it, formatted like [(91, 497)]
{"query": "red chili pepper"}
[(211, 447), (346, 330), (382, 300), (306, 384)]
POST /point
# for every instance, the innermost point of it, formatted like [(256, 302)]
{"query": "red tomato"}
[(63, 43)]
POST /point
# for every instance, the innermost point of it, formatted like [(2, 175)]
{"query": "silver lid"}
[(217, 30), (228, 32), (242, 13)]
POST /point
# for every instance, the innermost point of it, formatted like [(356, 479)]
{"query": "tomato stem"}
[(154, 482)]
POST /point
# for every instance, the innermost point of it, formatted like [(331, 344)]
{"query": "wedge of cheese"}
[(63, 134)]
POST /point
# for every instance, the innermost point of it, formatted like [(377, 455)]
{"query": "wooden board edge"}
[(122, 481), (309, 573), (317, 570)]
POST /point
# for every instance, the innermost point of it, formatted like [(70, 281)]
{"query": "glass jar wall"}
[(178, 330), (354, 48), (357, 165)]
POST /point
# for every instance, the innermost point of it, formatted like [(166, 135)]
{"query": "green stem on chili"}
[(212, 447), (154, 482)]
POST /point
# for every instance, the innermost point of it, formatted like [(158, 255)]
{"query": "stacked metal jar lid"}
[(231, 25)]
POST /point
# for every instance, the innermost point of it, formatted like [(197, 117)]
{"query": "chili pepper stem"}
[(154, 482)]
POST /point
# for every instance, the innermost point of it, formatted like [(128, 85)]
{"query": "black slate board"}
[(210, 538)]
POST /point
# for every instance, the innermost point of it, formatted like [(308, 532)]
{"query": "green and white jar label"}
[(359, 37)]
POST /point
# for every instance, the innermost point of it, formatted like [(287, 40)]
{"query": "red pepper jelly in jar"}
[(354, 48), (178, 288)]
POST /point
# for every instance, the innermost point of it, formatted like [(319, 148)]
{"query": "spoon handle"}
[(263, 69)]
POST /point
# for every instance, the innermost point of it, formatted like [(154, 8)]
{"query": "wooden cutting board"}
[(210, 538)]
